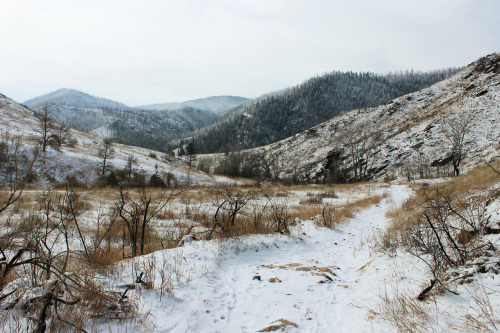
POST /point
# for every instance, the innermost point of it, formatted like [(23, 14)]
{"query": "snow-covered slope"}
[(131, 126), (411, 126), (81, 161), (74, 98), (217, 104)]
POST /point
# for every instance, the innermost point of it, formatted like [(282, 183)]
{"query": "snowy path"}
[(324, 279)]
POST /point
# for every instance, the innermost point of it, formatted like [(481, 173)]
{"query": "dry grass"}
[(404, 312), (324, 188), (345, 212), (468, 189), (278, 325), (248, 226), (330, 214), (167, 214), (478, 179), (196, 194), (305, 213)]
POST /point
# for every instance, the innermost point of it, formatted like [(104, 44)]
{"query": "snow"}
[(82, 161), (315, 280), (412, 128), (318, 278)]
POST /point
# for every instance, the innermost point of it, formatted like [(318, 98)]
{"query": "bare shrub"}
[(442, 230), (136, 215), (280, 217), (37, 268), (327, 217), (229, 201)]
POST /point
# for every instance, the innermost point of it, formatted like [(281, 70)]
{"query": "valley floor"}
[(318, 280)]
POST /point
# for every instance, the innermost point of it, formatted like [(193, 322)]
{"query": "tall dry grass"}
[(468, 189), (333, 215)]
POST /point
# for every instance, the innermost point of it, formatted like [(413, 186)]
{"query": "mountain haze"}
[(216, 104)]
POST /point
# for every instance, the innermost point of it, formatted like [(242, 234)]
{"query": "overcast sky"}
[(144, 52)]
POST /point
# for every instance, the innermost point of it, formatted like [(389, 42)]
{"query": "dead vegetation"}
[(278, 325), (462, 199), (333, 215), (66, 240), (443, 226)]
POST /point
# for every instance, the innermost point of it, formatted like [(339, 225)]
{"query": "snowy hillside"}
[(131, 126), (73, 98), (80, 161), (410, 129), (216, 104), (280, 114)]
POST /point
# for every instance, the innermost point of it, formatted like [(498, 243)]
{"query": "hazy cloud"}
[(158, 51)]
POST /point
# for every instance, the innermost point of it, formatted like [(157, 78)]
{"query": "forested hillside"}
[(144, 128), (281, 115), (153, 129)]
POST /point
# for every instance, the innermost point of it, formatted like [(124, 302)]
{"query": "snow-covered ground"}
[(316, 280)]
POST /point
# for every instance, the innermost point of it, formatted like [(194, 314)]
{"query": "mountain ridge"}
[(132, 126), (216, 104), (292, 110), (406, 137), (80, 99), (73, 98)]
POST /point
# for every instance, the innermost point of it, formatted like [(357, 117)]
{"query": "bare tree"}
[(60, 136), (191, 155), (16, 167), (271, 164), (131, 161), (136, 214), (360, 141), (45, 125), (456, 131), (105, 152)]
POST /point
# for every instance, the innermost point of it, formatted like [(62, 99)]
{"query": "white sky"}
[(153, 51)]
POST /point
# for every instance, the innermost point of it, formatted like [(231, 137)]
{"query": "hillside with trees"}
[(277, 116)]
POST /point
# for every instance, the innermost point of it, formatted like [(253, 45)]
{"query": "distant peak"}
[(74, 98)]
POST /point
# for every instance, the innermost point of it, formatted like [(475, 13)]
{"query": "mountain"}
[(145, 128), (408, 137), (216, 104), (279, 115), (77, 161), (72, 98)]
